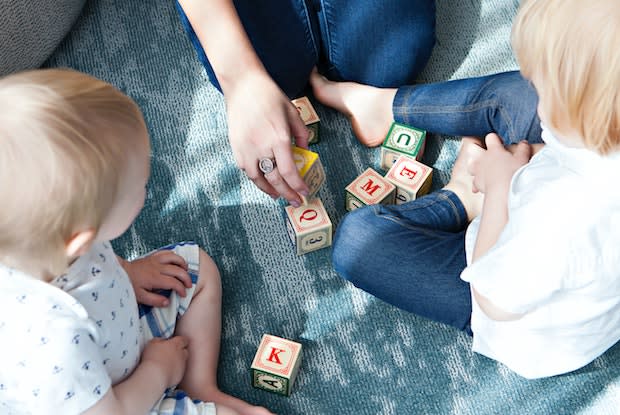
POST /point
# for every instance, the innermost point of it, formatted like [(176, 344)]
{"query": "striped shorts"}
[(161, 322)]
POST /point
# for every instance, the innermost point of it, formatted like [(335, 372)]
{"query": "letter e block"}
[(401, 139), (309, 226), (309, 117), (310, 168), (411, 178), (369, 188), (276, 364)]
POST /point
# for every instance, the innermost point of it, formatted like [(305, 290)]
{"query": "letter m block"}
[(369, 188), (276, 364)]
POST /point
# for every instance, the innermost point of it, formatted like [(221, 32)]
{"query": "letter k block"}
[(276, 364)]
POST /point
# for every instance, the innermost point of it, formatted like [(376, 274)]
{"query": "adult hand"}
[(496, 166), (261, 123), (168, 354), (161, 270)]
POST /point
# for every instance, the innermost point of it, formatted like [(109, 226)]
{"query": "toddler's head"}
[(569, 50), (71, 146)]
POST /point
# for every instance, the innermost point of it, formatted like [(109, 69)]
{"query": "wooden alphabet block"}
[(401, 139), (310, 168), (411, 178), (309, 117), (309, 226), (276, 364), (369, 188)]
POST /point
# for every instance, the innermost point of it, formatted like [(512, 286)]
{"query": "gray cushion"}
[(31, 30)]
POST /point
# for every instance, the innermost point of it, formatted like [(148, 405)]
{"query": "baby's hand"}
[(170, 355), (162, 270)]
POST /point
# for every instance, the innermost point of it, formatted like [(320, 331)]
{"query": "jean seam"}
[(309, 29), (425, 231), (327, 44)]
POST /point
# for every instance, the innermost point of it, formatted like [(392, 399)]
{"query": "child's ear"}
[(79, 243)]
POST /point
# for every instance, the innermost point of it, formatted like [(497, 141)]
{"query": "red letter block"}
[(411, 178), (309, 226), (369, 188), (276, 364), (309, 117)]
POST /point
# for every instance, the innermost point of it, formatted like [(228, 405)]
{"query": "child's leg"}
[(503, 103), (201, 323), (411, 255)]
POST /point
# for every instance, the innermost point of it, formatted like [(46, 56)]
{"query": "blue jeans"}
[(409, 255), (382, 43), (504, 103)]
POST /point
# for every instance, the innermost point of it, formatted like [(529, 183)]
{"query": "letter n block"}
[(401, 139), (309, 226), (276, 364), (309, 117), (411, 178), (369, 188), (310, 169)]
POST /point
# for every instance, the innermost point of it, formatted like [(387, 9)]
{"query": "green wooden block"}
[(401, 139)]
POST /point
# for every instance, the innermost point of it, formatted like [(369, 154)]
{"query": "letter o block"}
[(309, 117), (309, 226), (401, 140), (369, 188), (276, 364)]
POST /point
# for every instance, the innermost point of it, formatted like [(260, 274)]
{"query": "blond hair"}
[(65, 139), (570, 48)]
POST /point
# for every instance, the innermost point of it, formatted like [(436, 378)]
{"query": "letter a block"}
[(411, 178), (276, 364), (309, 226), (401, 139), (369, 188), (310, 169), (309, 117)]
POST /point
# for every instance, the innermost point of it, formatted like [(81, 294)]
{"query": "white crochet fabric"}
[(31, 30)]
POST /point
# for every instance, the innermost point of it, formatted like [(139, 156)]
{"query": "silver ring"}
[(266, 164)]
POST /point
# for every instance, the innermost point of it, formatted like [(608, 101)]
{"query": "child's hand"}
[(160, 270), (496, 166), (170, 355)]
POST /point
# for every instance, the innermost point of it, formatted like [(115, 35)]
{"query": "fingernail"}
[(294, 203)]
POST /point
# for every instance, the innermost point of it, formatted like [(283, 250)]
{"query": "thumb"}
[(299, 131), (523, 152), (492, 140)]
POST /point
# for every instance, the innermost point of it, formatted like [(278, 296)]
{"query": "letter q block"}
[(309, 226), (369, 188), (276, 364), (401, 139), (411, 178), (309, 117)]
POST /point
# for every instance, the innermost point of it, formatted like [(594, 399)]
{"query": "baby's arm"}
[(161, 270), (162, 365)]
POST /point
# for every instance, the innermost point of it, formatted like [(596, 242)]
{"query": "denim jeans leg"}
[(503, 103), (379, 43), (409, 255), (282, 35)]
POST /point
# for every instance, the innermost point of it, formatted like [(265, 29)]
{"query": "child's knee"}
[(355, 237), (209, 273)]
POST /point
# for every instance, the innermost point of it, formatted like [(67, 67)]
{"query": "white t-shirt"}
[(557, 261), (63, 348)]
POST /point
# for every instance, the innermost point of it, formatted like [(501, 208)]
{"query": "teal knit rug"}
[(361, 356)]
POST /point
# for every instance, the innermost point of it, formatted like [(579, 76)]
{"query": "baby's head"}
[(569, 50), (72, 148)]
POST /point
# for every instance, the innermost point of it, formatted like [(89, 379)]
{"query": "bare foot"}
[(461, 182), (368, 108)]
